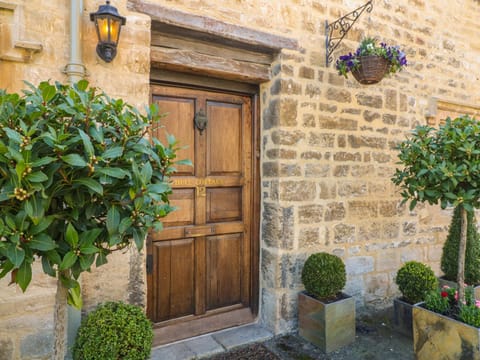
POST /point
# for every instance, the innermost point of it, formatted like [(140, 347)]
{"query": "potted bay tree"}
[(442, 165), (79, 181), (326, 316)]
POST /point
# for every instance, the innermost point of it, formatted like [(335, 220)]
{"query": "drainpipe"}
[(75, 69)]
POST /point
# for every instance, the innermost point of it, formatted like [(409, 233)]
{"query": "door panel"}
[(175, 277), (224, 204), (202, 259), (224, 270), (174, 108), (225, 137)]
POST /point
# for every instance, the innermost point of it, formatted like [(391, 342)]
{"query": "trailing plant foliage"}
[(449, 261), (78, 180), (415, 280), (324, 275), (114, 331)]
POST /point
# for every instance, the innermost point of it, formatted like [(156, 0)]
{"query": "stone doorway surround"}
[(189, 49)]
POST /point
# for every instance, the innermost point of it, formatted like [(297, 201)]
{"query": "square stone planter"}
[(402, 317), (453, 284), (327, 325), (439, 337)]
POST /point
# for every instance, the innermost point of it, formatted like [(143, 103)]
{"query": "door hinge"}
[(149, 264)]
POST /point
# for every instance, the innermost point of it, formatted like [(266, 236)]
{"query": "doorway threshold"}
[(211, 344)]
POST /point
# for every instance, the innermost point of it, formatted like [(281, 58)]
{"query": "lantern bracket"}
[(336, 31)]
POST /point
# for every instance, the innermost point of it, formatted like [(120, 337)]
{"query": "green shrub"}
[(470, 314), (449, 262), (415, 280), (324, 275), (114, 331)]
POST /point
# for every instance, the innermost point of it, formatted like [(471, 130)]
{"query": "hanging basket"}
[(371, 70)]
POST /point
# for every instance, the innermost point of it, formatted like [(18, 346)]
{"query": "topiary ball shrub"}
[(415, 280), (114, 331), (449, 261), (324, 275)]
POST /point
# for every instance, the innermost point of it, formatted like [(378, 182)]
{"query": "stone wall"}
[(327, 143)]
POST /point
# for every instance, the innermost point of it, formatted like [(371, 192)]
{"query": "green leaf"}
[(139, 237), (7, 267), (24, 275), (74, 297), (86, 261), (42, 242), (68, 282), (159, 188), (68, 260), (125, 224), (91, 184), (15, 254), (36, 177), (89, 249), (113, 220), (42, 225), (113, 172), (86, 142), (48, 92), (82, 85), (74, 160), (47, 267), (88, 237), (113, 153), (13, 135), (43, 161), (71, 236), (146, 172), (184, 162), (101, 259)]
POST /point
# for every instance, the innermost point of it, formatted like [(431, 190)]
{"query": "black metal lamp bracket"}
[(336, 31)]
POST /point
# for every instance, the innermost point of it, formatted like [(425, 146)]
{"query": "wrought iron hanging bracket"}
[(336, 31)]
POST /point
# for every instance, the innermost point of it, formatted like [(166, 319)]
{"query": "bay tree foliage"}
[(79, 179), (442, 166)]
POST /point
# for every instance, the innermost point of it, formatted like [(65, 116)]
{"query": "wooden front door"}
[(199, 268)]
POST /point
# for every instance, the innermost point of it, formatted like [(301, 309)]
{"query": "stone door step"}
[(211, 344)]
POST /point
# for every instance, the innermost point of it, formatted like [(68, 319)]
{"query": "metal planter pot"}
[(327, 325), (436, 336)]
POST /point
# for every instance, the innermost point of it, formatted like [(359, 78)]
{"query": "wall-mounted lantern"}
[(108, 23)]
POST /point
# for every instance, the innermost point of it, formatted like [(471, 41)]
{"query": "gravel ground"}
[(375, 340)]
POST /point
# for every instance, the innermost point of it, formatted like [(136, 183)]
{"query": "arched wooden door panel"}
[(199, 268)]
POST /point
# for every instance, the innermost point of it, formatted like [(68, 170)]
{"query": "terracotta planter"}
[(402, 317), (327, 325), (453, 284), (372, 69), (439, 337)]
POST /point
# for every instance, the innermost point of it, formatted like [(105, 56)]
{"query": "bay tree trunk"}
[(60, 322), (461, 256)]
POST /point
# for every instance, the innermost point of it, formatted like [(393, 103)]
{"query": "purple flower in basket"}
[(395, 57)]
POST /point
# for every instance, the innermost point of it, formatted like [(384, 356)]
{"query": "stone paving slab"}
[(248, 334), (212, 344)]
